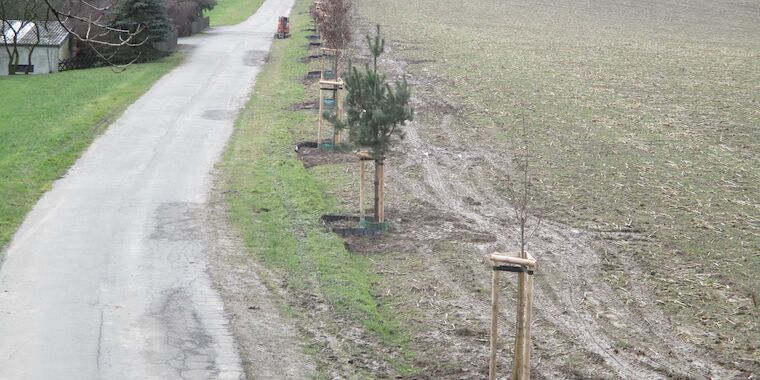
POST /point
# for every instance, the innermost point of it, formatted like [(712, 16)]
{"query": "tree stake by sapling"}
[(520, 262), (375, 114)]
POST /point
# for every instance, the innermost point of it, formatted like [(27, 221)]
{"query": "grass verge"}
[(47, 121), (276, 203), (231, 12)]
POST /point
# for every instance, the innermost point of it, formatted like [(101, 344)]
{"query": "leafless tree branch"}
[(521, 195), (30, 11), (126, 37)]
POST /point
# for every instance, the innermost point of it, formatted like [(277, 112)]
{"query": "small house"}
[(48, 41)]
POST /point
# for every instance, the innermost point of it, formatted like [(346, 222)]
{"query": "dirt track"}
[(595, 317), (577, 311)]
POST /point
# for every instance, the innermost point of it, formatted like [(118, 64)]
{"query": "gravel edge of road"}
[(269, 342)]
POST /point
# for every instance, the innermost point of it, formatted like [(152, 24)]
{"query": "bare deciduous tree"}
[(334, 20), (521, 193), (88, 21), (336, 27), (16, 21), (317, 13)]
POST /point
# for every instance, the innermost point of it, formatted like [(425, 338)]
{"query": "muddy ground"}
[(595, 315)]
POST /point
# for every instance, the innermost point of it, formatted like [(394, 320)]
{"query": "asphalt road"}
[(107, 278)]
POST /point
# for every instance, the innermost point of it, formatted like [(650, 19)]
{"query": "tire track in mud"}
[(444, 192), (573, 299)]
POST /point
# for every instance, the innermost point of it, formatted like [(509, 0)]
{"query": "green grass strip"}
[(231, 12), (47, 121), (276, 203)]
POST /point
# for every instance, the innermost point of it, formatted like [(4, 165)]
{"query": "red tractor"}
[(283, 28)]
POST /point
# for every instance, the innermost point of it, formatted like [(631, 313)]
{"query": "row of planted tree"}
[(358, 102), (374, 113)]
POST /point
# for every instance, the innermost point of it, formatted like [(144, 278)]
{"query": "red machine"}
[(283, 28)]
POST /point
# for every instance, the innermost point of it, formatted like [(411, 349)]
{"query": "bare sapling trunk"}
[(523, 208), (336, 26), (494, 324), (87, 21), (521, 199), (522, 204), (521, 195)]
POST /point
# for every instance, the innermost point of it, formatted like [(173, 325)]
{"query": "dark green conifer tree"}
[(147, 15), (375, 113)]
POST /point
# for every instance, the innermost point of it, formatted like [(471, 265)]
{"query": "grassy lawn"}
[(641, 118), (47, 121), (231, 12), (276, 203)]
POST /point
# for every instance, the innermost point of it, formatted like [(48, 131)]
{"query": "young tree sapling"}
[(375, 113)]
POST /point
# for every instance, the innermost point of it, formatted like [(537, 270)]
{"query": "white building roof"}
[(51, 33)]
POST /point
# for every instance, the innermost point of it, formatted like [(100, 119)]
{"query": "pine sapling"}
[(376, 112)]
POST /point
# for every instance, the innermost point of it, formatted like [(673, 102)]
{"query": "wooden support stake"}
[(521, 364), (333, 54), (494, 323), (361, 189), (321, 117), (380, 174), (525, 369), (519, 327), (342, 103), (376, 210), (501, 258), (339, 107)]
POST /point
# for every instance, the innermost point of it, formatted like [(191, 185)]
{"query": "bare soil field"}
[(643, 127)]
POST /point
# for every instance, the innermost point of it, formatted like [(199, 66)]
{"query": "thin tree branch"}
[(64, 19)]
